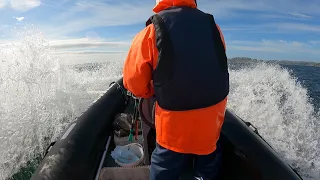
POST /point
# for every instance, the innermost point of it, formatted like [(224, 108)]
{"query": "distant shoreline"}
[(94, 65), (282, 62)]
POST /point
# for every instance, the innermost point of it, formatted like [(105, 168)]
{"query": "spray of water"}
[(96, 76), (276, 103), (38, 98)]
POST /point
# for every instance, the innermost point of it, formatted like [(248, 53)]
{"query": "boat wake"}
[(39, 97), (269, 97)]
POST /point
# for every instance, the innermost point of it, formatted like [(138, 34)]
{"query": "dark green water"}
[(26, 172)]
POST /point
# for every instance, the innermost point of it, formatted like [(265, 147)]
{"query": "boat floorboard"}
[(233, 165), (122, 173)]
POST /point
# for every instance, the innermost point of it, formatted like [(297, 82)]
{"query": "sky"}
[(262, 29)]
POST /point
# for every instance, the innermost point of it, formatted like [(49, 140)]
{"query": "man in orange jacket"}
[(180, 58)]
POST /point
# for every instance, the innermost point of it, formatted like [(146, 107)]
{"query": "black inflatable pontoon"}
[(82, 150)]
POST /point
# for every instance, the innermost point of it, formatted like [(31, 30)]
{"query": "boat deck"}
[(112, 171), (235, 166), (137, 173)]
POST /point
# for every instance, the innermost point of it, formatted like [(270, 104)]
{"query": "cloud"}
[(20, 5), (92, 57), (89, 52), (274, 50), (284, 16), (299, 15), (78, 16), (297, 27), (242, 28), (82, 44), (94, 14), (2, 3), (108, 25), (314, 42), (86, 43), (229, 9), (19, 18), (287, 28), (273, 46), (82, 50)]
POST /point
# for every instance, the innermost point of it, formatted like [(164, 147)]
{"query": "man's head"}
[(164, 4)]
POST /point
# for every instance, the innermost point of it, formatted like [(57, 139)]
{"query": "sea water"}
[(39, 97)]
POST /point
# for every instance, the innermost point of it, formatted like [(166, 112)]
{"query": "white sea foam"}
[(39, 97), (276, 103)]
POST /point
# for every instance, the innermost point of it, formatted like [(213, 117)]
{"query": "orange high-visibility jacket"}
[(194, 131)]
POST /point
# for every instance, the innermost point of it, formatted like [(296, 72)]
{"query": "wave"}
[(279, 106), (39, 97)]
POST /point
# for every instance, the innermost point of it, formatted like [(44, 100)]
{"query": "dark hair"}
[(196, 2)]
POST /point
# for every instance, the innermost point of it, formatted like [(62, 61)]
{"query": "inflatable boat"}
[(84, 149)]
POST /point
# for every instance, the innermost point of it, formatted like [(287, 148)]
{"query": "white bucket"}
[(136, 149)]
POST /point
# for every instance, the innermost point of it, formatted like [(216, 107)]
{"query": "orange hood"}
[(164, 4)]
